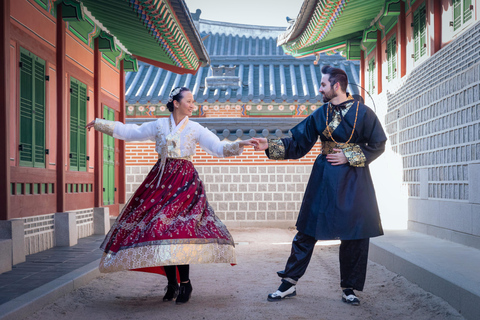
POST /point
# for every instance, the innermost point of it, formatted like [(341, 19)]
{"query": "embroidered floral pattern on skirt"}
[(169, 225)]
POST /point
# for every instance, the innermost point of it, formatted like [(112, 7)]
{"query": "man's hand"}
[(260, 144), (337, 158)]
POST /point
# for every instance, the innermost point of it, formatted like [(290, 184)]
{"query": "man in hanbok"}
[(339, 201)]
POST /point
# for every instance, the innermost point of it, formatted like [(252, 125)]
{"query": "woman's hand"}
[(90, 125), (260, 144), (244, 143)]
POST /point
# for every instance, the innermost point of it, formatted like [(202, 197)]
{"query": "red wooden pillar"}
[(437, 25), (379, 62), (403, 39), (362, 73), (121, 144), (61, 111), (5, 110), (98, 173)]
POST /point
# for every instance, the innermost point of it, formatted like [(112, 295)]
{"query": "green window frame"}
[(108, 161), (32, 110), (392, 57), (371, 76), (78, 121), (461, 13), (420, 32)]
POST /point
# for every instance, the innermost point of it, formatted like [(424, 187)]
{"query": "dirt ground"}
[(240, 292)]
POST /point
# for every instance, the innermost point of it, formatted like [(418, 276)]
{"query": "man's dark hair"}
[(336, 76)]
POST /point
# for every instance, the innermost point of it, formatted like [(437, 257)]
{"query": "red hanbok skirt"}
[(167, 222)]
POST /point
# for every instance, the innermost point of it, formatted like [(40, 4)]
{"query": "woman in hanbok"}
[(168, 224)]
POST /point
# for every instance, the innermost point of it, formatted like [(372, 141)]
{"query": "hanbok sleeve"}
[(360, 155), (127, 132), (304, 137), (209, 142)]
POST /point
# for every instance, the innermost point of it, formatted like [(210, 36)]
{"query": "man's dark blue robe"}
[(340, 201)]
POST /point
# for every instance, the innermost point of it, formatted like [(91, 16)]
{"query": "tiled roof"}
[(266, 74)]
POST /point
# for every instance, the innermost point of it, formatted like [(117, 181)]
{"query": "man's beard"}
[(327, 96)]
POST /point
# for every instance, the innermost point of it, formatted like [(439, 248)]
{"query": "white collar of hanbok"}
[(173, 127)]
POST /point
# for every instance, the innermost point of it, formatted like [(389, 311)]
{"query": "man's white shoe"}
[(279, 295), (348, 296)]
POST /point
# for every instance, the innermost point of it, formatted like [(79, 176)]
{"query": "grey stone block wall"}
[(84, 223), (39, 233), (246, 193), (433, 122)]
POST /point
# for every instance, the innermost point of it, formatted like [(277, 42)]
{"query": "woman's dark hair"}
[(336, 76), (177, 95)]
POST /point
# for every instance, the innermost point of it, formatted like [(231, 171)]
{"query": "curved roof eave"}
[(329, 21), (161, 33)]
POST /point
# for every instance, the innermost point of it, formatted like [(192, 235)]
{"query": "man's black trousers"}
[(353, 261)]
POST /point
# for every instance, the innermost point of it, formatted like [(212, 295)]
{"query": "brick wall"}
[(242, 190), (144, 154), (433, 122)]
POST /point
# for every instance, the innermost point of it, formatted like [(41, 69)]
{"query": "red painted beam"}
[(121, 144), (362, 73), (379, 62), (61, 110), (403, 40), (5, 110), (98, 173), (437, 25)]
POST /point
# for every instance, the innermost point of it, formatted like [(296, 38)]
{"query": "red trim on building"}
[(402, 29), (97, 87), (362, 73), (121, 143), (61, 111), (5, 110), (379, 61)]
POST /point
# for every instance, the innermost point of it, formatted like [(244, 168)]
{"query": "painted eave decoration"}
[(159, 32), (338, 26)]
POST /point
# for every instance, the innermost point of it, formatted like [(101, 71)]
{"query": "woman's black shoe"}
[(171, 292), (184, 293)]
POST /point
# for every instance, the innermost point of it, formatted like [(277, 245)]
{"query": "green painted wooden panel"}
[(82, 132), (457, 14), (108, 161), (26, 108), (32, 110), (74, 86), (423, 30), (39, 113), (371, 73), (78, 121), (392, 57), (467, 13)]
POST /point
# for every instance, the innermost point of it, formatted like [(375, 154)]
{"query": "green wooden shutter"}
[(371, 73), (74, 88), (392, 57), (78, 121), (423, 30), (416, 34), (26, 109), (32, 110), (39, 113), (108, 161), (82, 132), (457, 14), (467, 13), (111, 168)]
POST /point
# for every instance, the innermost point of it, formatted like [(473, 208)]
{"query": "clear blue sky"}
[(257, 12)]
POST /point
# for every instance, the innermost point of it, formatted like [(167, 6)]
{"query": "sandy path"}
[(240, 292)]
